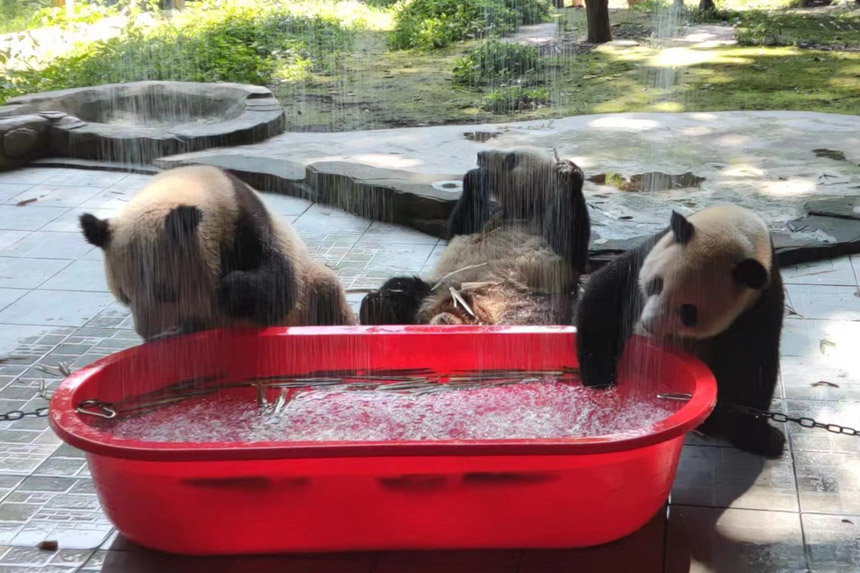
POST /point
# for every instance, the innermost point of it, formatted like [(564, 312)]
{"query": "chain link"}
[(18, 414), (802, 421)]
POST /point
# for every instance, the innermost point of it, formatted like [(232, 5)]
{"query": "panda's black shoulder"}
[(253, 236)]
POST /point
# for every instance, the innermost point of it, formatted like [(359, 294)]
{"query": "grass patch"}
[(241, 41), (432, 24), (515, 99), (499, 63)]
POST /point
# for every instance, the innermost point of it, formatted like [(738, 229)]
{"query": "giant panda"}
[(197, 249), (518, 242), (709, 285)]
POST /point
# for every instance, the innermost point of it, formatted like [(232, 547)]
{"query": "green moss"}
[(799, 28)]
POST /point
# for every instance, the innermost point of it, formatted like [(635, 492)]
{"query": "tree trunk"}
[(679, 3), (559, 3), (707, 6), (597, 16)]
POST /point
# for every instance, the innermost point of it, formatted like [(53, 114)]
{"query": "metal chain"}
[(61, 369), (804, 422), (18, 414)]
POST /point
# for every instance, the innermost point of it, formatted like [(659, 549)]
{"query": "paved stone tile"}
[(10, 295), (47, 245), (828, 482), (339, 230), (827, 302), (328, 252), (835, 340), (434, 257), (286, 206), (133, 181), (641, 552), (28, 219), (842, 412), (28, 273), (46, 195), (79, 276), (832, 272), (388, 234), (8, 483), (802, 378), (8, 238), (27, 176), (55, 308), (23, 459), (57, 508), (68, 222), (85, 177), (725, 477), (389, 259), (832, 542), (855, 262), (110, 198), (704, 540), (9, 190)]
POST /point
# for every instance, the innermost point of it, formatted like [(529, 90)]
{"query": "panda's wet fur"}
[(518, 242), (197, 249), (709, 285)]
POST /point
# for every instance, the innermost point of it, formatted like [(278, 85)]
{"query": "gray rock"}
[(22, 139), (138, 122), (845, 207), (817, 237)]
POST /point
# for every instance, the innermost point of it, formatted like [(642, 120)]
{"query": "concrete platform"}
[(772, 162)]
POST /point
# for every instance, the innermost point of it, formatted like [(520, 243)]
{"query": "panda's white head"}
[(161, 253), (704, 273)]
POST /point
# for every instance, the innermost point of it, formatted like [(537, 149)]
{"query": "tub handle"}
[(96, 408)]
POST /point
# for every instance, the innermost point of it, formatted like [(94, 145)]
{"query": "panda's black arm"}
[(264, 294), (745, 362), (606, 314), (396, 302), (472, 210), (567, 226)]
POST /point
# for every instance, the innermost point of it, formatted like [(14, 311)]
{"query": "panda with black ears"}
[(709, 285), (197, 249), (518, 243)]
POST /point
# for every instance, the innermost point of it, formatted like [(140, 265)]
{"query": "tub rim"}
[(69, 426)]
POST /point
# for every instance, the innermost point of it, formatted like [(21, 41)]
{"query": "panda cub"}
[(518, 244), (709, 285), (197, 249)]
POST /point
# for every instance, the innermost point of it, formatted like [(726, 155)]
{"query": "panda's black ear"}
[(750, 273), (96, 231), (682, 229), (182, 221)]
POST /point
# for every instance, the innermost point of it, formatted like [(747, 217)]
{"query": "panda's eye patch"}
[(654, 286), (689, 315), (164, 293)]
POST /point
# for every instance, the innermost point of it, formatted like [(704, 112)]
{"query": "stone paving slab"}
[(729, 511)]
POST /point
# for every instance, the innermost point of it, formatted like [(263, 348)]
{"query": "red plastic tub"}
[(224, 498)]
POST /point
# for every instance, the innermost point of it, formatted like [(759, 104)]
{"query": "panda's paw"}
[(596, 377), (567, 173), (761, 439)]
